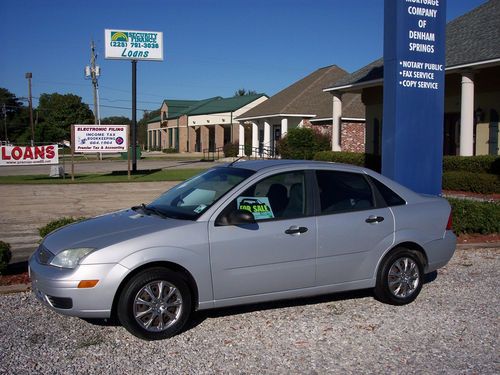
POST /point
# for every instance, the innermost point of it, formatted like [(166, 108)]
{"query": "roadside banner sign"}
[(100, 138), (29, 155), (133, 45)]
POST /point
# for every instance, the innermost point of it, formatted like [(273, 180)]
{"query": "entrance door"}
[(276, 137), (451, 133)]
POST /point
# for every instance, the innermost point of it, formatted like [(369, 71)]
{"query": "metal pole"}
[(134, 119), (4, 112), (29, 76)]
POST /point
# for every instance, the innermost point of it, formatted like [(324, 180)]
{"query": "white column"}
[(255, 139), (241, 140), (336, 120), (467, 116), (284, 127), (267, 134)]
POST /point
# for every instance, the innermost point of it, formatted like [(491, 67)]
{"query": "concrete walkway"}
[(25, 208)]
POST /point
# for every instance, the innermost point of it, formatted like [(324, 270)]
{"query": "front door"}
[(276, 254)]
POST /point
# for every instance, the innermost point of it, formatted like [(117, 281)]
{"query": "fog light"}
[(87, 283)]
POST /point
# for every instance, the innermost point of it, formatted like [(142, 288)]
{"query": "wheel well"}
[(167, 265), (417, 249)]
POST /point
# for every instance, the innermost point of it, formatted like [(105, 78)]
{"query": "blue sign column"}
[(414, 63)]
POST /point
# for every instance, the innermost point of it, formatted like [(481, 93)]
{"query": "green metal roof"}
[(217, 104)]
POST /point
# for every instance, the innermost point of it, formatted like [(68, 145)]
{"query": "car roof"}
[(258, 165)]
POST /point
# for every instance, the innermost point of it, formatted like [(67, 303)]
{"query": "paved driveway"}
[(25, 208)]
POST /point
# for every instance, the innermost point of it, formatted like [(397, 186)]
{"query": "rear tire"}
[(155, 304), (399, 277)]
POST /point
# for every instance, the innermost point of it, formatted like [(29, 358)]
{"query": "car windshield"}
[(191, 198)]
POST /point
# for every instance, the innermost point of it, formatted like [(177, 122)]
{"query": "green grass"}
[(141, 176)]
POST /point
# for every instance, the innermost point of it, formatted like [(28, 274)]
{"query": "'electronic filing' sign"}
[(414, 64)]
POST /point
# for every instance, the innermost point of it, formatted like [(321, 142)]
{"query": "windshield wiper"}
[(150, 209)]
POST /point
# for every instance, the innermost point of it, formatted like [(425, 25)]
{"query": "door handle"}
[(296, 230), (374, 219)]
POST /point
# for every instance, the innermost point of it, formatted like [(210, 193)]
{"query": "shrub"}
[(475, 217), (302, 143), (483, 183), (363, 160), (231, 149), (169, 150), (5, 255), (476, 164), (54, 224), (248, 150)]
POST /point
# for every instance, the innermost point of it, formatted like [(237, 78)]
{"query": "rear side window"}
[(343, 191), (390, 197)]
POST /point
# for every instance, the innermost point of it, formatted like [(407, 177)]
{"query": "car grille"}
[(60, 302), (44, 256)]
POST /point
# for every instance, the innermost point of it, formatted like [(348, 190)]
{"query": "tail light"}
[(449, 225)]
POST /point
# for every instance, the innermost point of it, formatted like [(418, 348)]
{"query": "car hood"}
[(106, 230)]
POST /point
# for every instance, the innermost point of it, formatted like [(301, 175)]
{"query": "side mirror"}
[(239, 217)]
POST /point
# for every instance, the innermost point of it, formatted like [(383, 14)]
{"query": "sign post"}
[(133, 45), (414, 65)]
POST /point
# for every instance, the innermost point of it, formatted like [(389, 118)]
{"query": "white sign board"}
[(133, 45), (21, 155), (100, 138)]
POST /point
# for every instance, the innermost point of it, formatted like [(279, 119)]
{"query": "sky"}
[(211, 47)]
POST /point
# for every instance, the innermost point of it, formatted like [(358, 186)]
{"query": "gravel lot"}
[(451, 328)]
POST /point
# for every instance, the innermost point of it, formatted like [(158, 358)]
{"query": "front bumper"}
[(57, 288)]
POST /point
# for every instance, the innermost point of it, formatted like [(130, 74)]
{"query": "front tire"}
[(155, 304), (400, 277)]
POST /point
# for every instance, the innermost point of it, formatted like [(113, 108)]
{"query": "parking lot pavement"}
[(452, 328), (25, 208), (103, 166)]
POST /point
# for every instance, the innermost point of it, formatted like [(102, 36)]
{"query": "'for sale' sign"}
[(21, 155), (100, 138)]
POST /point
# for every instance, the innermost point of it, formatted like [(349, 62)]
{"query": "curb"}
[(478, 245), (15, 288)]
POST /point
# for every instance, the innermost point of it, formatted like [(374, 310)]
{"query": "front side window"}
[(191, 198), (281, 196), (343, 191)]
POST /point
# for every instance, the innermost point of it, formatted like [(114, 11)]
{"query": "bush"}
[(248, 150), (53, 225), (475, 217), (302, 143), (169, 150), (231, 149), (5, 255), (483, 183), (363, 160), (476, 164)]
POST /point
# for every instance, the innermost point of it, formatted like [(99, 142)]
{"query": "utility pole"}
[(4, 112), (93, 72), (28, 76)]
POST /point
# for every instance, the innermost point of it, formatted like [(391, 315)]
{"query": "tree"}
[(116, 120), (244, 92), (57, 113), (17, 116)]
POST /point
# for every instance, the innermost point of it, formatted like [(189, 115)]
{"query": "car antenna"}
[(234, 161)]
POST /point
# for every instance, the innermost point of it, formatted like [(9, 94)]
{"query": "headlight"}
[(70, 258)]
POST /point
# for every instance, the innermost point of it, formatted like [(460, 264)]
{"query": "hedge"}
[(363, 160), (483, 183), (476, 164), (475, 217), (302, 143), (55, 224), (231, 149)]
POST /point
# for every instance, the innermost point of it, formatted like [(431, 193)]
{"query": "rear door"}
[(353, 228)]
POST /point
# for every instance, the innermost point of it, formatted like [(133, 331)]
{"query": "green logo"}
[(119, 36)]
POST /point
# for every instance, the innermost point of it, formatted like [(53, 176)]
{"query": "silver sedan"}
[(246, 232)]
